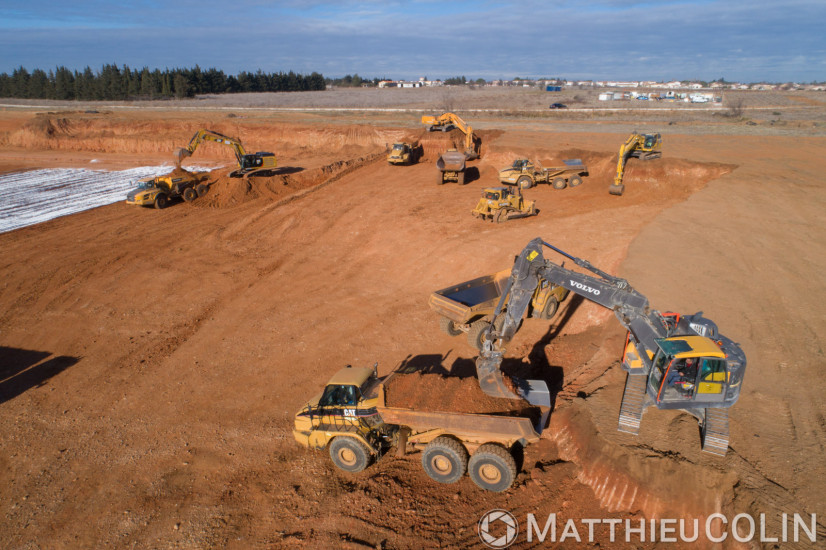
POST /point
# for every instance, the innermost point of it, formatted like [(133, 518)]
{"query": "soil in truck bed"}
[(435, 392)]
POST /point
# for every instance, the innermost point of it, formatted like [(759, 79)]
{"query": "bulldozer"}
[(446, 122), (500, 204), (403, 153), (158, 191), (248, 163), (641, 146)]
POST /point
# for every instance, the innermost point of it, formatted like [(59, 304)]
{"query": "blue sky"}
[(747, 40)]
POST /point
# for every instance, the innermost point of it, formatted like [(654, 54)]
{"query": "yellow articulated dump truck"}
[(352, 419), (403, 153), (468, 307), (159, 191)]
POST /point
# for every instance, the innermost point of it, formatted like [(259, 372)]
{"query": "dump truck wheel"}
[(448, 327), (524, 182), (349, 454), (574, 181), (492, 468), (550, 308), (190, 194), (475, 335), (445, 460), (462, 178), (161, 201), (441, 179), (202, 189), (559, 183)]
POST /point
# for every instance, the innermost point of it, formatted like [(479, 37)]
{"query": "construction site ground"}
[(151, 361)]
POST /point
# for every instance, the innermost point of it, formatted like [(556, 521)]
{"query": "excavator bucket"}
[(493, 383), (181, 153)]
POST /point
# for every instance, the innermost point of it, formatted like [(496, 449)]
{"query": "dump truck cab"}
[(347, 407)]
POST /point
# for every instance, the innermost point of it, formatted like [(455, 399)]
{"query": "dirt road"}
[(152, 360)]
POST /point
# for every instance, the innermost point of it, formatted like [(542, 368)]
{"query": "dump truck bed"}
[(572, 166), (451, 161), (461, 302), (467, 426)]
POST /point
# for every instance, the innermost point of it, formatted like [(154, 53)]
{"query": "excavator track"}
[(633, 404), (715, 431)]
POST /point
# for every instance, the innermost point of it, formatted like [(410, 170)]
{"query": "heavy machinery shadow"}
[(472, 174), (22, 369), (461, 367), (538, 366), (284, 170)]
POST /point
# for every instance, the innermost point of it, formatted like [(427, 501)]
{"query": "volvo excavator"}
[(641, 146), (673, 361), (448, 121), (248, 164)]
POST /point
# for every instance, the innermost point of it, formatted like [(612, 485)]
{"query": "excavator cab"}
[(686, 370)]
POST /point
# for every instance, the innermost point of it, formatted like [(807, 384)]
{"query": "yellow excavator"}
[(248, 163), (641, 146), (446, 122)]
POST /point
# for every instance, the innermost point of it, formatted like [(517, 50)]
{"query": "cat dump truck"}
[(500, 204), (451, 167), (351, 419), (526, 174), (403, 153), (467, 308), (158, 191)]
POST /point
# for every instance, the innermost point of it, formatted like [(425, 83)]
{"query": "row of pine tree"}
[(111, 82)]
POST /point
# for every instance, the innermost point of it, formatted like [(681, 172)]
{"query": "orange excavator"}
[(446, 122), (248, 163)]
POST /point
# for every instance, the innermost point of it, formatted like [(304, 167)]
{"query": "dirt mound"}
[(435, 392), (225, 191)]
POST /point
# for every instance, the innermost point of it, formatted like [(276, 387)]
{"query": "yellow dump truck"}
[(158, 191), (468, 307), (526, 174), (352, 420), (451, 167), (403, 153)]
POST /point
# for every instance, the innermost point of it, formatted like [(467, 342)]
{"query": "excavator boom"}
[(247, 163), (447, 121)]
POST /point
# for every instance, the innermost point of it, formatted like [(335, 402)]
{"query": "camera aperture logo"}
[(498, 529)]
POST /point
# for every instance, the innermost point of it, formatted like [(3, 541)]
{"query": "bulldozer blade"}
[(492, 382)]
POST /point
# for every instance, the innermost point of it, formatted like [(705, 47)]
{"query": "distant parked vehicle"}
[(558, 106)]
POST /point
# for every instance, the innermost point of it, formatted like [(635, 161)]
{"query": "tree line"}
[(112, 82)]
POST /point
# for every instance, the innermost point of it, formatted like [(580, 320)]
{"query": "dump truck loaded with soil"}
[(159, 191), (359, 417)]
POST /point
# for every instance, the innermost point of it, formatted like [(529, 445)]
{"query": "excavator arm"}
[(211, 135), (448, 119), (530, 268)]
